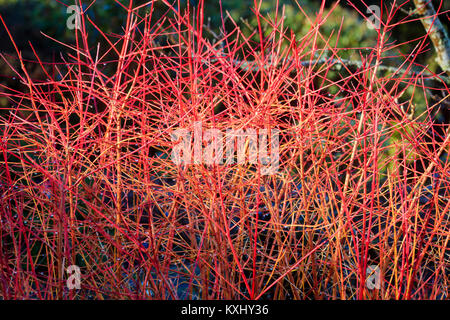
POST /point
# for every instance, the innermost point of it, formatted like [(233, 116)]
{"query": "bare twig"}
[(337, 64), (436, 31)]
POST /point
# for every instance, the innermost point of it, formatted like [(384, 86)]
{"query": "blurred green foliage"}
[(28, 18)]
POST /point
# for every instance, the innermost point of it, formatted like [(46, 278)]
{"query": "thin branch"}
[(337, 64), (436, 32)]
